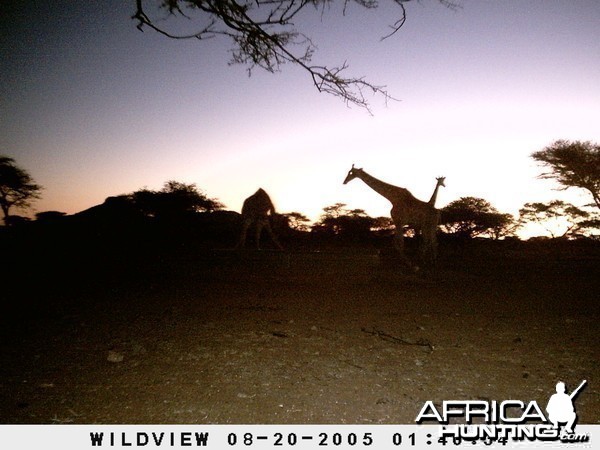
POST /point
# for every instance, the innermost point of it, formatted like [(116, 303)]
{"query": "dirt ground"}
[(315, 338)]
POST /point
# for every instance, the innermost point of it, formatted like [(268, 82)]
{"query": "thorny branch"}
[(265, 36)]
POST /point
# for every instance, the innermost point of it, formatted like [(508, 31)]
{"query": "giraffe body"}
[(257, 209), (406, 210)]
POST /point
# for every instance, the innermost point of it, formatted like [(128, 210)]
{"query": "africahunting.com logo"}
[(509, 420)]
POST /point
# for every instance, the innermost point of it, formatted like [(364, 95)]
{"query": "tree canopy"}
[(297, 221), (173, 200), (558, 218), (573, 164), (338, 221), (17, 188), (469, 217), (264, 34)]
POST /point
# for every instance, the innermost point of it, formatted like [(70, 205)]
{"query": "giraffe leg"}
[(272, 235), (242, 241), (259, 226), (429, 244), (434, 246), (399, 242), (426, 250)]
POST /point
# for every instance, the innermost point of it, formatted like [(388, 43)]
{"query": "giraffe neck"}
[(434, 195), (386, 190)]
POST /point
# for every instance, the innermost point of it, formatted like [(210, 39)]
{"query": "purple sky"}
[(92, 107)]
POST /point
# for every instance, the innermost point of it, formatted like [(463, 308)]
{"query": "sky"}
[(91, 107)]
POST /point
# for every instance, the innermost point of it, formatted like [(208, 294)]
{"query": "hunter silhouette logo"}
[(560, 406), (500, 421)]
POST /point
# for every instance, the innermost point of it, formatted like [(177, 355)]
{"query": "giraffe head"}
[(440, 181), (352, 174)]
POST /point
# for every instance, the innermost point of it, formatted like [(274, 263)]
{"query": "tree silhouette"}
[(264, 35), (573, 164), (17, 188), (469, 217), (297, 221), (556, 216), (383, 226), (334, 211), (349, 225), (174, 200)]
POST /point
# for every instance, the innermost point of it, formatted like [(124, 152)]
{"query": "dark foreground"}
[(330, 337)]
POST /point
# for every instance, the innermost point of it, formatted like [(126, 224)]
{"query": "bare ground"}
[(302, 338)]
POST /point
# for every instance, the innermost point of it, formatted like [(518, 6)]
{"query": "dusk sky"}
[(91, 107)]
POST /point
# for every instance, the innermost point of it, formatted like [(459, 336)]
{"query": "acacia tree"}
[(557, 217), (264, 35), (469, 217), (383, 224), (336, 220), (173, 200), (297, 221), (573, 164), (17, 188)]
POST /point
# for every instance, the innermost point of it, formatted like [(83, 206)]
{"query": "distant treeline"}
[(176, 232), (181, 213)]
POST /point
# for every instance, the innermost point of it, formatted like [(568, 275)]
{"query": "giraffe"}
[(440, 182), (406, 210), (256, 210)]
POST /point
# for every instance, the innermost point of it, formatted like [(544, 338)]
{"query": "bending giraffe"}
[(257, 210), (406, 210)]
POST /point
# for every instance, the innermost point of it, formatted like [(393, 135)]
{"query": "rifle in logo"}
[(560, 406)]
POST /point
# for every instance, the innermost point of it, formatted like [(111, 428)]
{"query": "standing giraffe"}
[(440, 182), (257, 210), (406, 210)]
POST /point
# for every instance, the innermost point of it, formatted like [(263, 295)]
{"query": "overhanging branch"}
[(264, 35)]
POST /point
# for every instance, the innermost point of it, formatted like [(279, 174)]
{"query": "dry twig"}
[(398, 340)]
